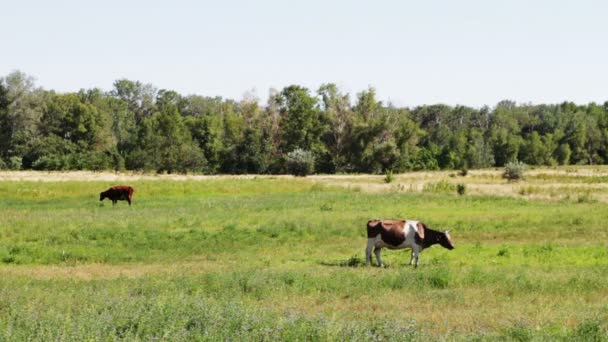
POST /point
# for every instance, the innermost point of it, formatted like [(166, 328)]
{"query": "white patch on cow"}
[(413, 225)]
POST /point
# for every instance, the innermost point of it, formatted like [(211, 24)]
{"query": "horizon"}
[(472, 53), (313, 92)]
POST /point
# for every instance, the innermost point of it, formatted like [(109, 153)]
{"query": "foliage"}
[(300, 162), (515, 170), (137, 126)]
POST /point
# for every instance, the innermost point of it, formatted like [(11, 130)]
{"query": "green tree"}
[(166, 145), (563, 154), (24, 105), (84, 124), (366, 104), (407, 136), (5, 132), (166, 97), (299, 119), (232, 126), (478, 153), (576, 136), (205, 121), (375, 147), (138, 97), (339, 114), (253, 150), (505, 146), (538, 150)]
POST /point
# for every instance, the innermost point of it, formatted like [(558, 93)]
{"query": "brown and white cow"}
[(118, 193), (398, 234)]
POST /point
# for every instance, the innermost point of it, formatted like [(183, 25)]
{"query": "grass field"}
[(278, 258)]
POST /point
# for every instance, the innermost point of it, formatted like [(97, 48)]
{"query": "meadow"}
[(282, 258)]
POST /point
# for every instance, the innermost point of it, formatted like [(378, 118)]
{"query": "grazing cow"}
[(118, 193), (396, 234)]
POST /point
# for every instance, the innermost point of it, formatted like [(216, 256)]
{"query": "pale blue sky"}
[(413, 52)]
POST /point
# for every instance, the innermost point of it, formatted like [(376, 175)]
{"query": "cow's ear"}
[(421, 228)]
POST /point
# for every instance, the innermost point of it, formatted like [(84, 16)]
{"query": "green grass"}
[(282, 259)]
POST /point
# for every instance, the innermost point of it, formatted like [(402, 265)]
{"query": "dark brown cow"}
[(398, 234), (118, 193)]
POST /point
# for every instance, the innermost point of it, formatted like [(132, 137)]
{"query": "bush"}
[(300, 162), (388, 178), (51, 162), (14, 163), (461, 189), (463, 172), (515, 170)]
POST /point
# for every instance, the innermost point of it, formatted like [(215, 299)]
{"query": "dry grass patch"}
[(88, 272)]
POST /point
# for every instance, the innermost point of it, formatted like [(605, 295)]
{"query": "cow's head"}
[(102, 195), (445, 240)]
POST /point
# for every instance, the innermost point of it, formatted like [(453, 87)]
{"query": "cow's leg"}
[(378, 257), (368, 251), (415, 255), (129, 200)]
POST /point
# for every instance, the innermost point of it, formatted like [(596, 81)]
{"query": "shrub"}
[(461, 189), (388, 176), (14, 163), (463, 172), (300, 162), (51, 162), (515, 170)]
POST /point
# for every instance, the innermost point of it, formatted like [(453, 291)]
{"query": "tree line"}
[(136, 126)]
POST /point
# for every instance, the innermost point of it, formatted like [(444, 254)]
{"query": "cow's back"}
[(120, 192), (393, 233), (123, 189), (390, 232)]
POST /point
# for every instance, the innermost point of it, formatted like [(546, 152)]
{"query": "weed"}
[(388, 176), (354, 261), (439, 187), (589, 330), (585, 198), (503, 252), (461, 189), (519, 332), (326, 207)]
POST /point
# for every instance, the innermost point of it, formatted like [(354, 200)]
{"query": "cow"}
[(118, 193), (398, 234)]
